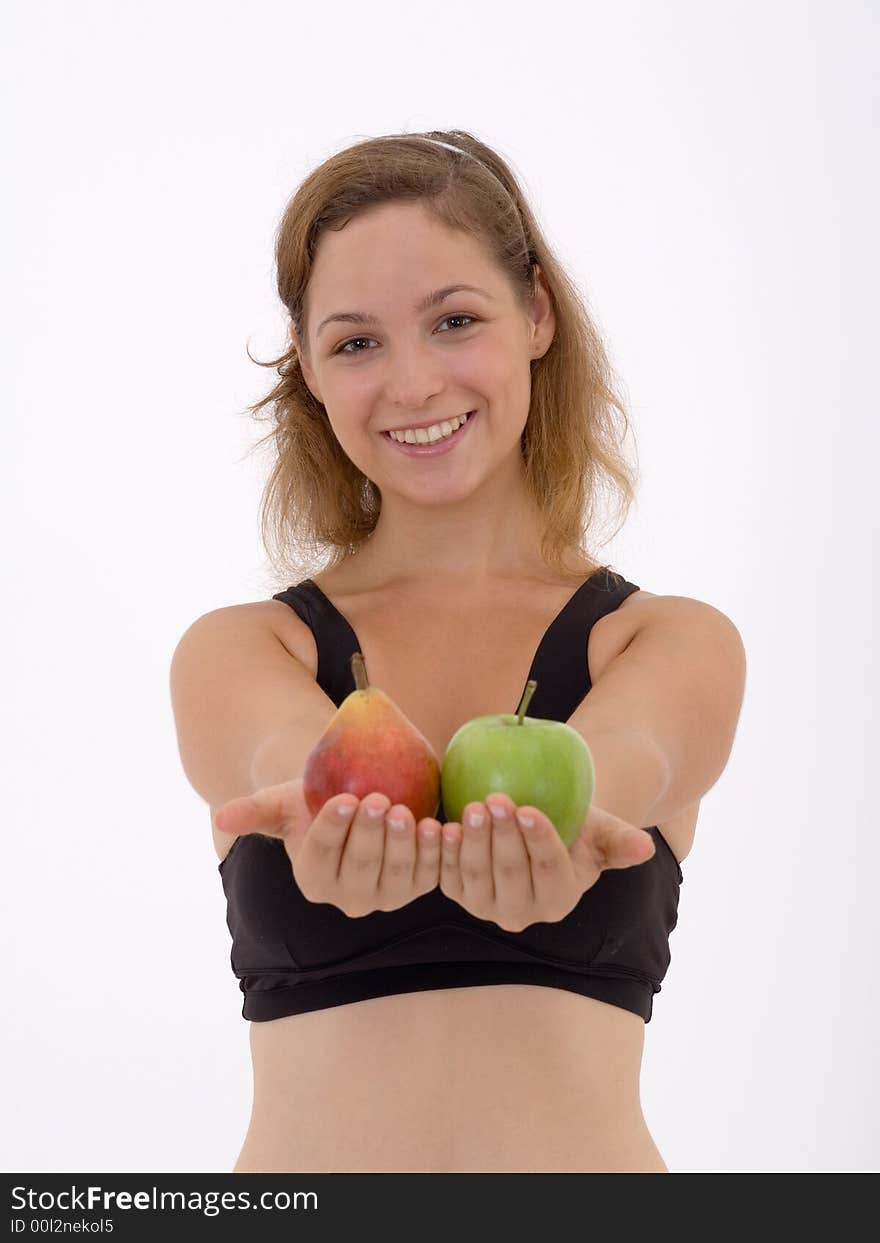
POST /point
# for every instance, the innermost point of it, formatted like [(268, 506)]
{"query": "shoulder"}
[(613, 632), (257, 618), (649, 609), (290, 629), (616, 630), (621, 624), (681, 626)]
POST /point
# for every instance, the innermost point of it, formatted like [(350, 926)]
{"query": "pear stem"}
[(524, 702), (359, 669)]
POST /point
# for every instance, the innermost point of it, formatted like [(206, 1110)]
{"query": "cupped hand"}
[(517, 874), (356, 861)]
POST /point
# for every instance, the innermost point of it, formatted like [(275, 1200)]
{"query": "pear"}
[(370, 745)]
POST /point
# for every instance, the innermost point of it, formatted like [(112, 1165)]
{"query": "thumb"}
[(615, 843), (275, 811), (623, 846)]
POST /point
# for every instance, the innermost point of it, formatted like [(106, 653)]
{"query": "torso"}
[(453, 1080)]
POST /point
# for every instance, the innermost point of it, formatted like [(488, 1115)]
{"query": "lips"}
[(424, 427), (435, 448)]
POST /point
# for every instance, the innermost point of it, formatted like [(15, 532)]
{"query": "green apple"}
[(542, 763)]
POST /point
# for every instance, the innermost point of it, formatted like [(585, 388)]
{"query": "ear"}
[(543, 317), (308, 373)]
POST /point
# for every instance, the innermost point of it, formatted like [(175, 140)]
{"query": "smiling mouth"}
[(427, 443)]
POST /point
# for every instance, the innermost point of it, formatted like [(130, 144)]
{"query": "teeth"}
[(427, 435)]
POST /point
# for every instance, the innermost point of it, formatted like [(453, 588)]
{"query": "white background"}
[(708, 175)]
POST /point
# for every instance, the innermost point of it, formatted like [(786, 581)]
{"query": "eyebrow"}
[(432, 299)]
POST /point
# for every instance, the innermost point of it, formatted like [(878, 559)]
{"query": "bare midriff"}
[(503, 1078), (488, 1079)]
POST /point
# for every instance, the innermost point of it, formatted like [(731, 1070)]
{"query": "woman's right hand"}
[(356, 862)]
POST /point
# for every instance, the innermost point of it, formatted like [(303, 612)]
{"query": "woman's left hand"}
[(516, 875)]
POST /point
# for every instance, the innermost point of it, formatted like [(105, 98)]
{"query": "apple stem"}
[(524, 702), (359, 669)]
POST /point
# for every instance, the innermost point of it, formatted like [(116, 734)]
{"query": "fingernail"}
[(396, 823), (345, 811), (528, 822), (476, 819), (498, 810)]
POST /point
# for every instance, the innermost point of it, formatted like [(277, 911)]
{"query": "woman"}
[(448, 997)]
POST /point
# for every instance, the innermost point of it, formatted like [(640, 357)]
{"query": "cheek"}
[(501, 375)]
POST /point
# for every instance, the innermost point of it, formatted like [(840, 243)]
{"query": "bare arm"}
[(246, 711), (662, 717)]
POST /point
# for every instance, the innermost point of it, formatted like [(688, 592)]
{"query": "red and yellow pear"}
[(369, 746)]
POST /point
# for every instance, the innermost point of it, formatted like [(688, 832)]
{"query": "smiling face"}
[(396, 361)]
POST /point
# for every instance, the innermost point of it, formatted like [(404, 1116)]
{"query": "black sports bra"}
[(291, 955)]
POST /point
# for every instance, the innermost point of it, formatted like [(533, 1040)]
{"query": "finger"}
[(364, 848), (319, 853), (397, 877), (619, 845), (511, 873), (549, 861), (475, 859), (450, 873), (428, 852)]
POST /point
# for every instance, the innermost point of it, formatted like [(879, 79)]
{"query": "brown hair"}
[(318, 508)]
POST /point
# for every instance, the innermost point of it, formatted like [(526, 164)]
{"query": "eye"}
[(343, 349)]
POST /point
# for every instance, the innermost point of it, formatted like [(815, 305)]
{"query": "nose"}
[(413, 378)]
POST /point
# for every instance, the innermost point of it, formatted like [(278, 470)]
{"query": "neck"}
[(465, 546)]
